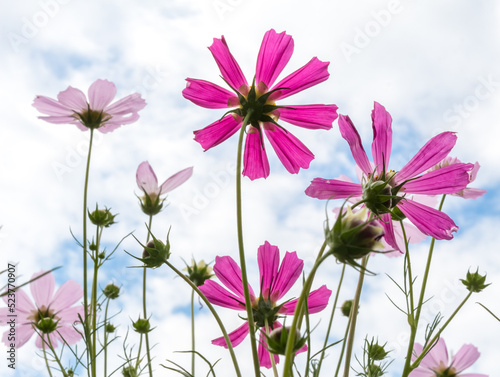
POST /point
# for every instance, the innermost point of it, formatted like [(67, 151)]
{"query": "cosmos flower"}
[(436, 363), (72, 107), (257, 101), (276, 280), (51, 315), (386, 193), (146, 180)]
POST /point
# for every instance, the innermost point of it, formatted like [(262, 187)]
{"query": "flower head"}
[(437, 364), (276, 280), (52, 314), (151, 203), (72, 107), (256, 102), (388, 194)]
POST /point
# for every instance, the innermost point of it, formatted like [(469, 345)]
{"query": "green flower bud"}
[(346, 308), (376, 352), (474, 282), (111, 291), (46, 325), (155, 253), (142, 326), (198, 272), (70, 372), (129, 371), (378, 194), (151, 204), (109, 328), (278, 338), (374, 371), (102, 217)]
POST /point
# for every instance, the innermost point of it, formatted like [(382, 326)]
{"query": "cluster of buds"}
[(198, 272)]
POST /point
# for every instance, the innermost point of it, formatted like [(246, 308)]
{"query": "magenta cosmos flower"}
[(72, 107), (257, 102), (52, 314), (436, 363), (387, 193), (276, 280), (146, 180)]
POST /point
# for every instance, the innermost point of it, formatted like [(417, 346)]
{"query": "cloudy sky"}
[(434, 66)]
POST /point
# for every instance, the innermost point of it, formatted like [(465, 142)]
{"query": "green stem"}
[(145, 313), (354, 313), (239, 220), (414, 328), (56, 358), (139, 353), (45, 357), (193, 345), (93, 301), (106, 339), (214, 313), (344, 344)]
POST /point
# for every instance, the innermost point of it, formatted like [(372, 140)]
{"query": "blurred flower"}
[(72, 107), (276, 280), (51, 314), (258, 102), (151, 203), (437, 364), (385, 192)]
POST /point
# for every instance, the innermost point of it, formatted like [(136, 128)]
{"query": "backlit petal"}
[(206, 94), (101, 93), (146, 179), (333, 189), (217, 132), (255, 162), (236, 337), (229, 273), (382, 137), (268, 257), (312, 117), (275, 52), (228, 66), (217, 295), (351, 135), (176, 180), (73, 98), (288, 273), (447, 180)]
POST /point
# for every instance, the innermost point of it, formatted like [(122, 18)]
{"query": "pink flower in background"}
[(52, 313), (72, 107), (257, 101), (148, 183), (276, 280), (388, 193), (436, 363)]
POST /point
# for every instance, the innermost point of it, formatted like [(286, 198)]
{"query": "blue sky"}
[(433, 66)]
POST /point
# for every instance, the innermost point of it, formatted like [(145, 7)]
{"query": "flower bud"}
[(474, 282), (151, 203), (374, 371), (278, 338), (111, 291), (376, 351), (129, 371), (346, 308), (378, 194), (142, 326), (109, 328), (155, 253), (199, 272), (46, 325), (102, 217)]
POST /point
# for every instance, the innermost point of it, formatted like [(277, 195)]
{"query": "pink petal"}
[(351, 135), (67, 294), (470, 193), (312, 117), (333, 189), (428, 220), (255, 162), (101, 93), (274, 54), (217, 295), (382, 137), (447, 180), (309, 75), (206, 94), (217, 132), (268, 257), (68, 334), (176, 180), (24, 304), (130, 104), (73, 98), (288, 273), (436, 356), (465, 357), (290, 150), (236, 336), (23, 334), (417, 351), (419, 372), (71, 315), (264, 357), (146, 179), (50, 106), (228, 66), (63, 120), (317, 301), (42, 289), (229, 273), (429, 155), (389, 235)]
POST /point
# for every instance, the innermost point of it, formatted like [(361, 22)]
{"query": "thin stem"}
[(214, 313), (354, 313), (45, 357), (271, 356), (106, 339), (93, 301), (139, 353), (56, 358), (344, 344), (193, 345), (144, 310), (239, 220)]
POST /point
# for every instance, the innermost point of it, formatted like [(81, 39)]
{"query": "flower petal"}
[(101, 93), (351, 135), (23, 334), (229, 273), (228, 66), (217, 132), (288, 273), (438, 355), (236, 336), (206, 94), (333, 189), (465, 357), (428, 220), (309, 75), (268, 257), (67, 294), (130, 104), (274, 54), (146, 179), (42, 288), (312, 117), (68, 334), (290, 150), (317, 301), (447, 180), (24, 304), (264, 357), (217, 295), (382, 137), (389, 236), (255, 162), (429, 155), (73, 98), (176, 180), (51, 107)]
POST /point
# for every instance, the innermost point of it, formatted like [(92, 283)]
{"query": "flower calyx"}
[(474, 282), (102, 217), (92, 119), (278, 338), (380, 196), (151, 204), (198, 272), (155, 253)]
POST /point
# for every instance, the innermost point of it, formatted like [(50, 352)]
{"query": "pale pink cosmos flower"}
[(57, 306), (379, 183), (259, 98), (276, 280), (148, 183), (437, 364), (72, 107)]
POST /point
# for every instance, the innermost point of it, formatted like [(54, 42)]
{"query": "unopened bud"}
[(474, 281), (278, 338), (346, 308), (142, 326), (129, 371), (199, 272), (111, 291), (102, 217)]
